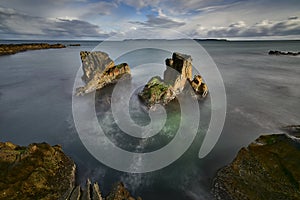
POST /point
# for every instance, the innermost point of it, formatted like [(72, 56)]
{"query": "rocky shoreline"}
[(267, 169), (284, 53), (41, 171), (9, 49)]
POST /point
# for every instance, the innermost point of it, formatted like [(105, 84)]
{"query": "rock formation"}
[(156, 91), (99, 70), (38, 171), (267, 169), (200, 88), (8, 49), (178, 71), (289, 53), (176, 77), (44, 172)]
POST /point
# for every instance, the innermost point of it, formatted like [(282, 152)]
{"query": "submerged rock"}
[(99, 71), (8, 49), (267, 169), (289, 53), (39, 171), (177, 76)]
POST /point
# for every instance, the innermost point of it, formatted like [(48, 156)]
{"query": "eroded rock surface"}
[(39, 171), (8, 49), (44, 172), (99, 71), (177, 77), (267, 169)]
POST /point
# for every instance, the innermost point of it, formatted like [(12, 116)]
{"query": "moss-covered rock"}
[(8, 49), (157, 92), (268, 168), (39, 171)]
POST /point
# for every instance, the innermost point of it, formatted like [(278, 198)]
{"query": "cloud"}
[(287, 27), (79, 9), (160, 21), (21, 24)]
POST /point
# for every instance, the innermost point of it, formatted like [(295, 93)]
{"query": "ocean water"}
[(262, 94)]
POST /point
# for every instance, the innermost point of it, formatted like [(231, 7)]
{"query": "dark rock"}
[(8, 49), (39, 171), (74, 45), (267, 169), (100, 71), (289, 53)]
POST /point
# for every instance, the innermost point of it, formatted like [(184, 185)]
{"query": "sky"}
[(131, 19)]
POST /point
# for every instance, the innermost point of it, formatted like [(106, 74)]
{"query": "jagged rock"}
[(8, 49), (93, 63), (96, 192), (176, 78), (119, 192), (39, 171), (99, 71), (178, 71), (267, 169), (86, 194), (289, 53), (76, 194), (157, 92)]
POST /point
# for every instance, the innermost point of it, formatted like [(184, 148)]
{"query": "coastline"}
[(9, 49)]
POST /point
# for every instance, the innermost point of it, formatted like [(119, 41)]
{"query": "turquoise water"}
[(262, 95)]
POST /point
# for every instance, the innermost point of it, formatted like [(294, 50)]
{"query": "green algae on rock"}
[(8, 49), (157, 92), (267, 169), (39, 171)]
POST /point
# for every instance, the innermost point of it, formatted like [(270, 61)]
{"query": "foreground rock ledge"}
[(38, 171), (44, 172), (8, 49), (268, 168)]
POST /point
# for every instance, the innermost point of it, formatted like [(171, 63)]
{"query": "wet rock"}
[(38, 171), (8, 49), (267, 169), (100, 71), (289, 53)]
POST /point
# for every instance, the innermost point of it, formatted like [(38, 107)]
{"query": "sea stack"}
[(177, 78), (100, 70)]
